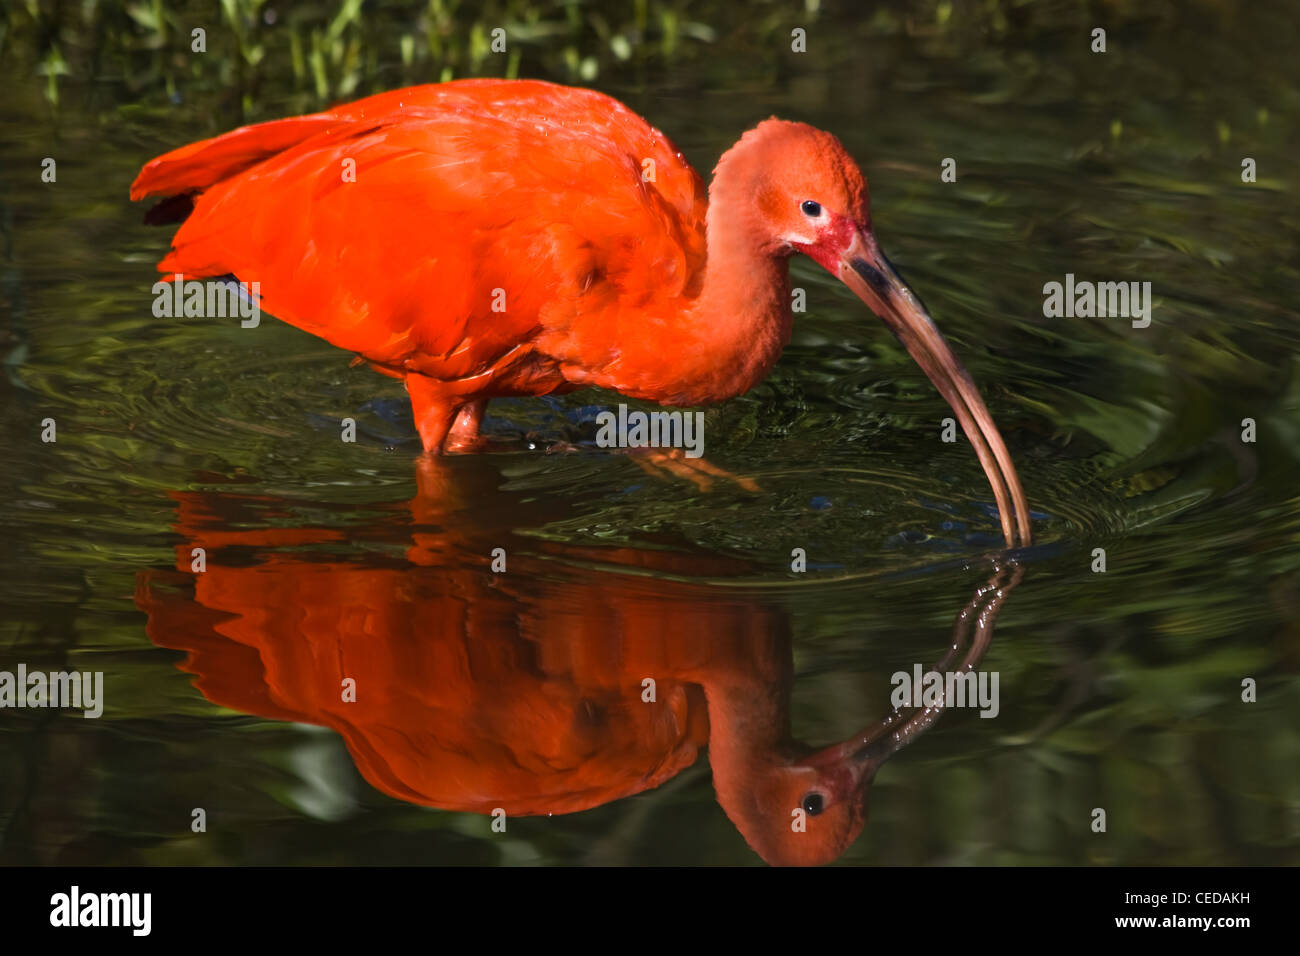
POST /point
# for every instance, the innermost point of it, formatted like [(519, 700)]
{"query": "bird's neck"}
[(749, 735), (741, 319), (748, 721)]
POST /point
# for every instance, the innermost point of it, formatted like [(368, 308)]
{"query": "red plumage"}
[(513, 237), (526, 196)]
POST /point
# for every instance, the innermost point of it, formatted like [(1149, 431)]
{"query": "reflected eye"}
[(813, 803), (811, 209)]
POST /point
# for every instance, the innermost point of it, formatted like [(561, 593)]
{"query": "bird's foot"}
[(673, 461), (660, 462), (467, 444)]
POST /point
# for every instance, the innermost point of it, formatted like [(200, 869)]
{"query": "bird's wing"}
[(442, 224)]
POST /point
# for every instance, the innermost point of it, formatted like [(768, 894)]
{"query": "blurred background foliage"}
[(337, 50)]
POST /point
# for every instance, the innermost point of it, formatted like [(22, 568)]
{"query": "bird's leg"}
[(673, 461), (433, 411), (464, 434)]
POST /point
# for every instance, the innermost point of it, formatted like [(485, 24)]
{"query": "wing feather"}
[(481, 213)]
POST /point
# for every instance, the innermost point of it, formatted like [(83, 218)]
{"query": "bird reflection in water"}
[(521, 690)]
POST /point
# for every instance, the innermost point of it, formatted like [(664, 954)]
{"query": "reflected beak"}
[(865, 270), (851, 765)]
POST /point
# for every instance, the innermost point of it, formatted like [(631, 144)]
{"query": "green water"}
[(1119, 690)]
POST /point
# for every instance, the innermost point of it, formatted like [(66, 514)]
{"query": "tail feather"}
[(197, 166)]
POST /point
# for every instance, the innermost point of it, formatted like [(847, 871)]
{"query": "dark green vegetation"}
[(1119, 690)]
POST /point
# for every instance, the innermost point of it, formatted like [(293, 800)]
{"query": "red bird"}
[(484, 238)]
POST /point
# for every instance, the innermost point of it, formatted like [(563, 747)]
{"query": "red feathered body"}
[(479, 237), (471, 691)]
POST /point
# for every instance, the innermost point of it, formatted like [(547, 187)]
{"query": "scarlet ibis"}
[(484, 238), (523, 691)]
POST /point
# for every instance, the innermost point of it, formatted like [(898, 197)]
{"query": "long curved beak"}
[(857, 759), (851, 766), (865, 270)]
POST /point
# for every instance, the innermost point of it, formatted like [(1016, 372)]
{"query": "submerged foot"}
[(661, 463), (673, 461)]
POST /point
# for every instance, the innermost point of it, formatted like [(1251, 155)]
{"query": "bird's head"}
[(805, 810), (795, 189)]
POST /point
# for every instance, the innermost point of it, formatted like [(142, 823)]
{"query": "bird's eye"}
[(811, 209), (813, 803)]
